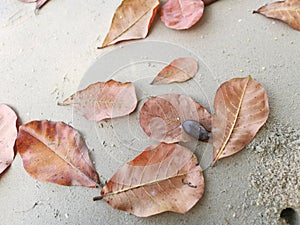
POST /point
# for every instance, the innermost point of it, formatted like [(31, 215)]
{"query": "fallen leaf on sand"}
[(181, 14), (55, 152), (179, 70), (166, 177), (161, 117), (241, 109), (132, 20), (8, 135), (104, 100), (287, 11)]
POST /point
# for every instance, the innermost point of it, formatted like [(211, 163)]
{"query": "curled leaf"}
[(8, 135), (161, 117), (241, 109), (287, 11), (162, 178), (179, 70), (181, 14), (132, 20), (104, 100), (55, 152)]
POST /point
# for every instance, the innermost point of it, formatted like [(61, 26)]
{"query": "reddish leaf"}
[(179, 70), (55, 152), (39, 3), (241, 108), (8, 135), (288, 11), (161, 117), (104, 100), (207, 2), (162, 178), (132, 20), (181, 14)]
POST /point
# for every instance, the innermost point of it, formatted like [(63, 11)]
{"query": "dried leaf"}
[(132, 20), (162, 178), (207, 2), (55, 152), (104, 100), (161, 117), (181, 14), (241, 109), (39, 3), (8, 135), (179, 70), (287, 11)]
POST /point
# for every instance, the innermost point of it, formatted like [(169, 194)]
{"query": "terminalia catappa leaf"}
[(161, 117), (8, 135), (132, 20), (179, 70), (241, 109), (104, 100), (55, 152), (166, 177), (287, 11), (181, 14)]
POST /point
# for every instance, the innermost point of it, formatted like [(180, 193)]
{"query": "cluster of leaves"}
[(133, 18), (164, 177)]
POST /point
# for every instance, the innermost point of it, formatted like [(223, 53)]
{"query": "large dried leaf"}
[(55, 152), (8, 135), (161, 117), (162, 178), (39, 3), (179, 70), (132, 20), (287, 11), (181, 14), (241, 108), (104, 100)]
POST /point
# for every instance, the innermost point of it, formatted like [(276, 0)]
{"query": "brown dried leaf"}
[(241, 109), (181, 14), (104, 100), (179, 70), (132, 20), (55, 152), (8, 135), (162, 178), (161, 117), (287, 11)]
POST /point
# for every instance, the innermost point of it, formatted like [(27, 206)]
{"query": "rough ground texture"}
[(44, 57), (275, 179)]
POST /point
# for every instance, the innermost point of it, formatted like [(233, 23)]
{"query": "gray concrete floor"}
[(44, 59)]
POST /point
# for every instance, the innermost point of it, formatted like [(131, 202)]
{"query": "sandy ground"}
[(44, 59)]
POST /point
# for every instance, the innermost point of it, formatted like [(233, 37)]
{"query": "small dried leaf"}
[(181, 14), (161, 117), (132, 20), (162, 178), (179, 70), (8, 135), (241, 109), (55, 152), (104, 100), (287, 11)]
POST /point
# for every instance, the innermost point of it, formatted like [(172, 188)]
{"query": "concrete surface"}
[(44, 59)]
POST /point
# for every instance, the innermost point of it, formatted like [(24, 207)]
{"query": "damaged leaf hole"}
[(291, 216)]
